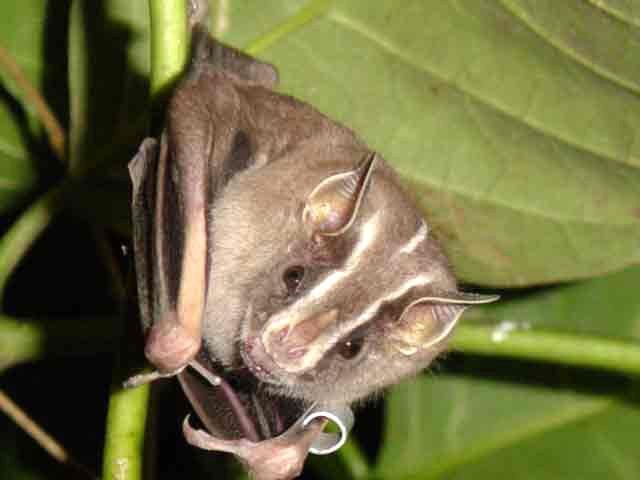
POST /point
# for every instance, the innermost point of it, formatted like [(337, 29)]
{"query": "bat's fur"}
[(236, 174)]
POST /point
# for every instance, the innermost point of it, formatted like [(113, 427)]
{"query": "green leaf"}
[(540, 424), (607, 306), (14, 463), (517, 137), (514, 122), (108, 68), (22, 28), (18, 175)]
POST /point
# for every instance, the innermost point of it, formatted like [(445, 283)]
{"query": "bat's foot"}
[(278, 458), (144, 378), (170, 346)]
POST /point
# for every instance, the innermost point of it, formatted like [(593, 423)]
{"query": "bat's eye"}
[(351, 348), (292, 278)]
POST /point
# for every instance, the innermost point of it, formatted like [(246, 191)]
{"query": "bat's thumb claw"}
[(194, 437)]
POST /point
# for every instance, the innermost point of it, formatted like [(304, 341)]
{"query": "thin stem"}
[(312, 10), (126, 420), (169, 42), (169, 48), (17, 240), (26, 340), (124, 442), (568, 349), (52, 126), (42, 438), (348, 463), (354, 460)]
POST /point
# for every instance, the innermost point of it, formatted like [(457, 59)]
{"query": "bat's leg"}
[(278, 458), (247, 427)]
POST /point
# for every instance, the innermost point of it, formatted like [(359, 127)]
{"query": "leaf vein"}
[(529, 430), (550, 215), (385, 44), (569, 52), (612, 12)]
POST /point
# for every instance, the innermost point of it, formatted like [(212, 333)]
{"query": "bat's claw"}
[(278, 458), (148, 377)]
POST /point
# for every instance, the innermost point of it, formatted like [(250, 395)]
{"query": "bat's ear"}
[(429, 320), (333, 205)]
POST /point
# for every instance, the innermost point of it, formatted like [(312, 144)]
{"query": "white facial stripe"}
[(368, 235), (373, 309), (418, 238)]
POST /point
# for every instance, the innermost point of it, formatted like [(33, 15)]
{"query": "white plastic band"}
[(327, 443)]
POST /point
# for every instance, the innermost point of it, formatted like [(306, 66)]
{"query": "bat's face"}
[(334, 285)]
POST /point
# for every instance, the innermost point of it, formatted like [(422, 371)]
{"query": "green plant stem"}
[(32, 96), (354, 460), (169, 42), (26, 340), (52, 446), (169, 49), (124, 442), (568, 349), (126, 419), (312, 10), (17, 240)]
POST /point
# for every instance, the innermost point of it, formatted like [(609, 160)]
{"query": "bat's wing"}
[(143, 173), (233, 406), (175, 182)]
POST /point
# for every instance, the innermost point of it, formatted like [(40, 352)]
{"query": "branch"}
[(52, 126), (17, 240), (42, 438), (169, 50), (124, 441), (126, 420), (564, 348), (26, 340), (309, 12)]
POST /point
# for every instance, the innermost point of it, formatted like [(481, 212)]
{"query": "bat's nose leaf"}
[(296, 350)]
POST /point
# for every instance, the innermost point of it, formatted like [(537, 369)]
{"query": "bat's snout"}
[(294, 346)]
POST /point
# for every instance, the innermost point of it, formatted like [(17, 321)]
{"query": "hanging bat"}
[(279, 258)]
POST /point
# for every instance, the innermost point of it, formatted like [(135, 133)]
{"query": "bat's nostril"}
[(280, 335), (297, 345)]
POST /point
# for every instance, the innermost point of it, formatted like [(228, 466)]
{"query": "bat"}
[(282, 267)]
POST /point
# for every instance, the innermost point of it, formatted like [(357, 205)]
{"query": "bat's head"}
[(332, 282)]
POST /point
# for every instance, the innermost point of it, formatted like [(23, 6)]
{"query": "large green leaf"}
[(534, 426), (22, 29), (515, 122), (14, 464)]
